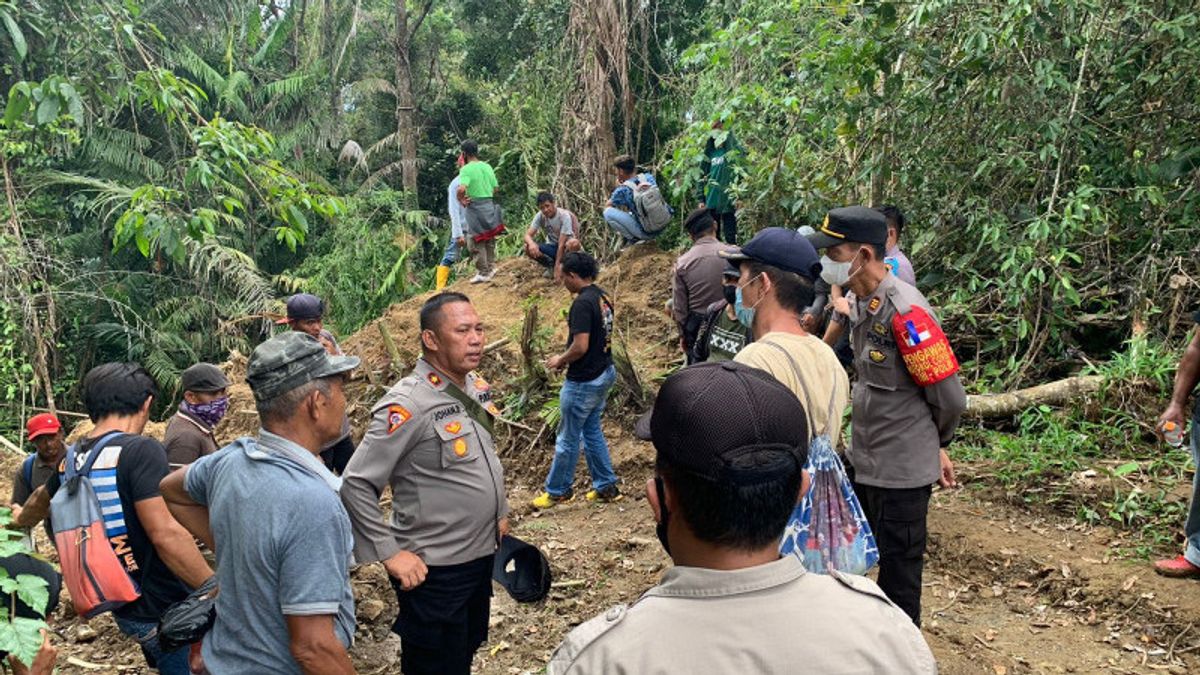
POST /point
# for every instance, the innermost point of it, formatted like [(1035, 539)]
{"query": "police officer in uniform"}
[(430, 438), (731, 442), (907, 401)]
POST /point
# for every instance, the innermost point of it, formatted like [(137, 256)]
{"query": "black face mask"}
[(661, 528), (730, 293)]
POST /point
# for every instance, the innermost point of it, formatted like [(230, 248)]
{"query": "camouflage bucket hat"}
[(290, 360)]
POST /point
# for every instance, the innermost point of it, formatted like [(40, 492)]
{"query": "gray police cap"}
[(290, 360)]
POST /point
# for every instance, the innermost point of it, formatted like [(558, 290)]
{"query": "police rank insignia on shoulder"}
[(435, 380), (454, 427), (873, 306), (397, 416), (877, 356)]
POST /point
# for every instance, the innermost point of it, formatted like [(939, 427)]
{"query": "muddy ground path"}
[(1008, 588)]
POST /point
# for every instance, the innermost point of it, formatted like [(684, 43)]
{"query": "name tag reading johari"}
[(923, 346)]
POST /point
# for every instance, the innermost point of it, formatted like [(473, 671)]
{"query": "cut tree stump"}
[(1051, 393)]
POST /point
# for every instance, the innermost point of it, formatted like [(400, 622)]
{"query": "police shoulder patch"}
[(397, 415), (874, 305)]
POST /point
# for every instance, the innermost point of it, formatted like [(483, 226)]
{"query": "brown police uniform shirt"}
[(898, 426), (447, 482), (187, 439), (696, 280), (772, 618)]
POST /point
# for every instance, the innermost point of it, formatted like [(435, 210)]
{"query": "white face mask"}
[(834, 273)]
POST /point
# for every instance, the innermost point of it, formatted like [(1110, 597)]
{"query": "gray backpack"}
[(652, 209)]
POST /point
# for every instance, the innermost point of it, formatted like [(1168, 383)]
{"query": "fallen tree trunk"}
[(1051, 393)]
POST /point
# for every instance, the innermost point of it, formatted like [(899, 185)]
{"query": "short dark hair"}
[(894, 215), (116, 389), (625, 163), (732, 515), (699, 221), (431, 311), (792, 291), (544, 197), (282, 407), (580, 264), (470, 148)]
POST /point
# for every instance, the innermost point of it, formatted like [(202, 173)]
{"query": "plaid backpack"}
[(91, 570)]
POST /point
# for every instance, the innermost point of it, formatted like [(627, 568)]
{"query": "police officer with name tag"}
[(907, 401), (430, 439)]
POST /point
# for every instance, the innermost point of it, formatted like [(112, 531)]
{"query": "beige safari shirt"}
[(447, 482), (898, 426), (773, 618)]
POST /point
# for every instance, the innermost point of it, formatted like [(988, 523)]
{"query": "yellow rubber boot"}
[(443, 276)]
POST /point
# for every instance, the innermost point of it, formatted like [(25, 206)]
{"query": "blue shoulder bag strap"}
[(71, 474), (27, 471)]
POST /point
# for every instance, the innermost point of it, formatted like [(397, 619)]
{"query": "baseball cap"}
[(303, 306), (522, 570), (780, 247), (697, 221), (728, 422), (40, 425), (204, 377), (290, 360), (856, 224), (731, 270)]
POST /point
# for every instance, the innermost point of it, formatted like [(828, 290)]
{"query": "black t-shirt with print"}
[(141, 464), (591, 313)]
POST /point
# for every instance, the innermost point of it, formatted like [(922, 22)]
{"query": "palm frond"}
[(352, 153), (108, 197), (199, 68), (217, 264), (123, 151)]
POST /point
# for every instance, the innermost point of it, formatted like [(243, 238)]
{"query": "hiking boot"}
[(546, 500), (479, 279), (548, 274), (1178, 567), (608, 494)]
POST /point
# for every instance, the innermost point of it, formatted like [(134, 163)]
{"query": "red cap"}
[(40, 425)]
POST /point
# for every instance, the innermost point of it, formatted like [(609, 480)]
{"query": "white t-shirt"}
[(563, 222)]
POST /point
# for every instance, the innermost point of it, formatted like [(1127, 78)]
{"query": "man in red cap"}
[(45, 433)]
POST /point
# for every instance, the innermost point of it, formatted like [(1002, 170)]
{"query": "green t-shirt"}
[(478, 178)]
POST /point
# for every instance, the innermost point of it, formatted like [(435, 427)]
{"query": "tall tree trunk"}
[(597, 40), (406, 128)]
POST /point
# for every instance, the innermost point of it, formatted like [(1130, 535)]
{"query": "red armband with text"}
[(924, 347)]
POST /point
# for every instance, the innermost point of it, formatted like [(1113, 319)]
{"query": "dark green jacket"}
[(717, 170)]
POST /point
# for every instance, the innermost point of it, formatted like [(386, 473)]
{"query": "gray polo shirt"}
[(283, 549)]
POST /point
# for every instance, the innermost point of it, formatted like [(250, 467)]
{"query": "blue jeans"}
[(451, 255), (582, 404), (626, 224), (146, 634), (1192, 528), (549, 253)]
